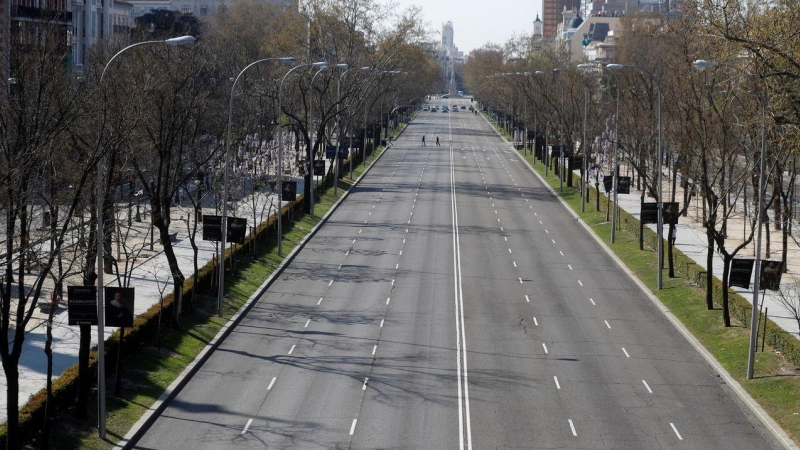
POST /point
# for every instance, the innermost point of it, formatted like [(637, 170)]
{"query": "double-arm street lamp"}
[(700, 65), (280, 148), (224, 220), (101, 372), (660, 156)]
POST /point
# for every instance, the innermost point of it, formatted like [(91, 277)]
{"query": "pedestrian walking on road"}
[(423, 140), (437, 141)]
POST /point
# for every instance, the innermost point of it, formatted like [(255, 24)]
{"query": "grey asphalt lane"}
[(452, 302)]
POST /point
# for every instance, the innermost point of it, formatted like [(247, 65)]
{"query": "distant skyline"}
[(477, 22)]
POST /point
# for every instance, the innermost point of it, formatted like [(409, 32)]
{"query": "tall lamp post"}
[(338, 130), (101, 371), (280, 148), (562, 118), (585, 144), (224, 220), (660, 156), (701, 65), (540, 73), (350, 124), (311, 153)]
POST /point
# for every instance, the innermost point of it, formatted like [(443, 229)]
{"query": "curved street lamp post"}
[(224, 219), (101, 373)]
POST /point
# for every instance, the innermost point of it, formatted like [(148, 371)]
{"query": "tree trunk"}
[(11, 370), (726, 313), (48, 351), (669, 249), (84, 378), (710, 270)]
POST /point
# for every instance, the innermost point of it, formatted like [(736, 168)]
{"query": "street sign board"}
[(624, 185), (237, 229), (119, 306), (82, 305), (289, 191), (649, 213), (741, 270), (330, 152), (608, 182), (670, 213), (771, 272), (319, 167), (212, 228)]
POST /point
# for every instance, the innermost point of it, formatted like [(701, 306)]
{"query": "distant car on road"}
[(434, 108), (425, 108)]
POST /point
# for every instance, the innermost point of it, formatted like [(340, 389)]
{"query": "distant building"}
[(198, 8), (551, 15), (32, 22), (537, 27)]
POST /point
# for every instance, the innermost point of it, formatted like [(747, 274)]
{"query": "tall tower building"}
[(537, 27), (447, 39), (552, 15)]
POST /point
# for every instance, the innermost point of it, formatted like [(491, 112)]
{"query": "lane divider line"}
[(676, 431), (247, 426)]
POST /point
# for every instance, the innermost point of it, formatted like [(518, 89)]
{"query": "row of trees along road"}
[(712, 119), (162, 131)]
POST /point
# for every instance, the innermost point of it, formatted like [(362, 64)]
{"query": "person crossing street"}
[(437, 141), (423, 140)]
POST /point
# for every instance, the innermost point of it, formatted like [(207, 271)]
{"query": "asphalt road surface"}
[(452, 302)]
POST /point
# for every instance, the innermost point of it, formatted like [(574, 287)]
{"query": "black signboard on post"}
[(236, 231), (670, 213), (649, 213), (330, 152), (82, 305), (608, 183), (741, 270), (119, 306), (624, 185), (319, 167), (212, 228), (289, 191), (771, 272)]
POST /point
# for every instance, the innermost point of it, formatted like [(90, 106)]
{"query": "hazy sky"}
[(476, 22)]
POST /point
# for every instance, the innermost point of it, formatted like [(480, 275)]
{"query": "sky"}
[(477, 22)]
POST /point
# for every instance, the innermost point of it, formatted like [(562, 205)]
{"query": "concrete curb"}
[(777, 432), (155, 410)]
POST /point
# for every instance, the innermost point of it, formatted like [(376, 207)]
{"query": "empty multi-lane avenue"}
[(452, 302)]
